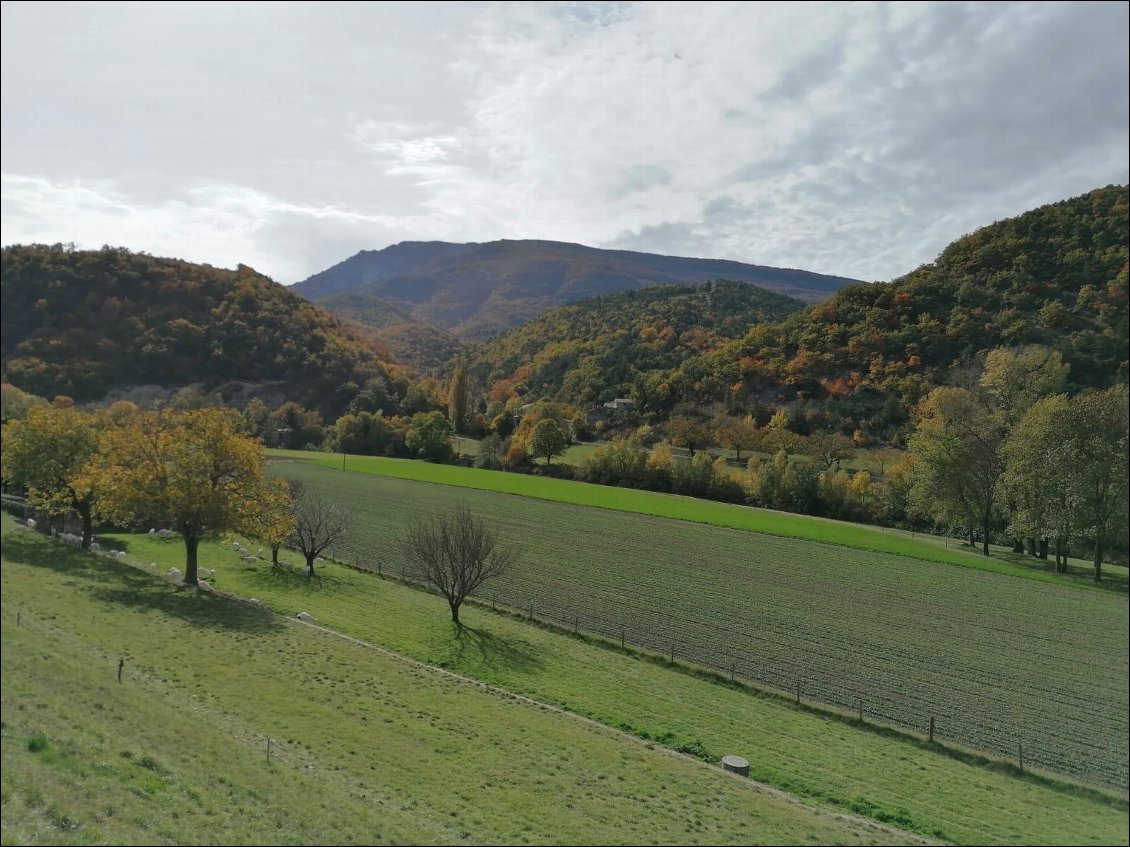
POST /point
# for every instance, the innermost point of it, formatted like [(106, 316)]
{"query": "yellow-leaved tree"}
[(49, 453), (192, 471)]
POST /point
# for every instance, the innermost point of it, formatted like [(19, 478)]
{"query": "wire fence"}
[(708, 641)]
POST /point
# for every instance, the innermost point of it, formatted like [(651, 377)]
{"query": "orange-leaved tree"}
[(49, 453), (192, 471)]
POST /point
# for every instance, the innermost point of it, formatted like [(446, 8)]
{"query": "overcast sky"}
[(855, 139)]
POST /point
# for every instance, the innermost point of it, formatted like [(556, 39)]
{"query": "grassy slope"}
[(368, 748), (676, 506), (995, 660), (819, 757)]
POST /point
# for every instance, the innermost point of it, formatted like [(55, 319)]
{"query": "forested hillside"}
[(416, 343), (1055, 276), (593, 351), (81, 323)]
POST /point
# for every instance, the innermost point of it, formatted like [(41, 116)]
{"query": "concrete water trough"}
[(735, 764)]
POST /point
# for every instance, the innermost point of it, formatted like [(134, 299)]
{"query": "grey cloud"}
[(673, 239), (814, 70), (641, 178)]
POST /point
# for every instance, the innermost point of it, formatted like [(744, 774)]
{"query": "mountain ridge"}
[(480, 289)]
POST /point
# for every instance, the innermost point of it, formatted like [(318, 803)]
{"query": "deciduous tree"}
[(456, 553), (191, 471), (318, 524), (547, 439), (957, 447), (49, 453)]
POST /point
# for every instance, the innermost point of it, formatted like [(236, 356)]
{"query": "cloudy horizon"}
[(848, 139)]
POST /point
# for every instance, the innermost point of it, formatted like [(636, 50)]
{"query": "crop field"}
[(652, 503), (997, 662), (367, 748)]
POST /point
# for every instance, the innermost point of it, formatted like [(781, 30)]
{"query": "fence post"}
[(931, 729), (621, 636), (268, 748), (731, 671)]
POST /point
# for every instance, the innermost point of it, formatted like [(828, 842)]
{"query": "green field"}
[(997, 661), (827, 760), (692, 509), (366, 747)]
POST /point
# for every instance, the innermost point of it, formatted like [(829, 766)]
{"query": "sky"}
[(855, 139)]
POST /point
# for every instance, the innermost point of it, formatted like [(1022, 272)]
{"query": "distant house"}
[(620, 404)]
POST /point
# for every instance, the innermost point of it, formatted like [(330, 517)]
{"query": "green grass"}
[(829, 760), (367, 747), (995, 660), (746, 518)]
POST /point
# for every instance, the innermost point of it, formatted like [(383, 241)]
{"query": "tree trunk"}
[(455, 613), (1098, 560), (87, 526), (191, 543), (1031, 546), (1018, 545), (1043, 554), (985, 528), (310, 564), (972, 536), (275, 555)]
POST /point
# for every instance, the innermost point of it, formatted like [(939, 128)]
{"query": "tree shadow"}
[(130, 587), (297, 582), (489, 650)]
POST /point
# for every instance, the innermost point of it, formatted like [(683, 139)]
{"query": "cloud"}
[(221, 225), (854, 139)]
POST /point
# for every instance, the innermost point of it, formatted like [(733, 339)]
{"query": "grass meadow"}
[(827, 759), (367, 747)]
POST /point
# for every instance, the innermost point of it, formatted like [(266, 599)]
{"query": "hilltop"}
[(1056, 276), (480, 290)]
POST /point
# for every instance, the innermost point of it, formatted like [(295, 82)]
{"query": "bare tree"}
[(318, 523), (456, 552)]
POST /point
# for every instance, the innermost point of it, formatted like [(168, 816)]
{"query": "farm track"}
[(997, 661)]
